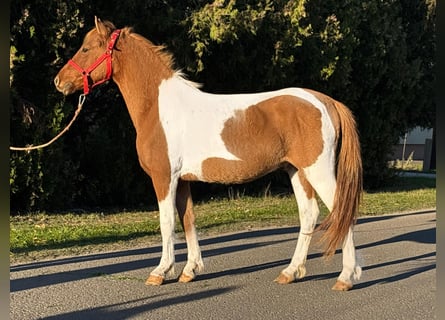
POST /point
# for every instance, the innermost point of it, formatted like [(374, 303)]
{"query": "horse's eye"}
[(84, 49)]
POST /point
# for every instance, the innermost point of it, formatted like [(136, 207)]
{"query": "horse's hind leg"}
[(323, 180), (184, 206), (351, 269), (308, 212)]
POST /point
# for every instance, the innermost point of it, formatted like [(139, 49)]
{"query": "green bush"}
[(377, 57)]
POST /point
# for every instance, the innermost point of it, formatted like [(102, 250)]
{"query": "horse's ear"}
[(100, 27)]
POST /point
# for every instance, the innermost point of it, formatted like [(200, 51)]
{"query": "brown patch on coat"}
[(189, 177), (184, 205), (307, 187), (265, 136), (330, 107), (152, 152)]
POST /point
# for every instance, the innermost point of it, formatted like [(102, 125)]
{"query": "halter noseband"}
[(106, 56)]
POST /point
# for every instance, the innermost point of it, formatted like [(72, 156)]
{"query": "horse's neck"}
[(138, 77)]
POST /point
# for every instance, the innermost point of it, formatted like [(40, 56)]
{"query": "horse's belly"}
[(219, 170)]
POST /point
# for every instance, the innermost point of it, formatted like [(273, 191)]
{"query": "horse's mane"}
[(161, 52)]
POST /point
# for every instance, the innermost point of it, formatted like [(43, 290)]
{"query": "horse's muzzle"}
[(65, 88)]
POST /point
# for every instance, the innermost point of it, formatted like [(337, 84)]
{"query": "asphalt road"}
[(398, 281)]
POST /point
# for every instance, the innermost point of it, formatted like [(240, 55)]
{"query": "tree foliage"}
[(377, 57)]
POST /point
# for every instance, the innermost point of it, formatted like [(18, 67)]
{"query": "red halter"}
[(106, 56)]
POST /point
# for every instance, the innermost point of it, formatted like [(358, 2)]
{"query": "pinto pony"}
[(185, 134)]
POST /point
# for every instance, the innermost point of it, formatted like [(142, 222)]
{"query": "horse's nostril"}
[(56, 81)]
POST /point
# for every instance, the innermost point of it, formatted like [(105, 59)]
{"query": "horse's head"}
[(91, 64)]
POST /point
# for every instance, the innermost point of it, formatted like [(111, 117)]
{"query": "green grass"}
[(40, 236)]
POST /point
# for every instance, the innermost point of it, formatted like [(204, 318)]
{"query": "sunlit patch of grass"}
[(402, 201), (35, 232)]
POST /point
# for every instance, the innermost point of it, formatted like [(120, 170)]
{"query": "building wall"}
[(415, 143), (418, 151)]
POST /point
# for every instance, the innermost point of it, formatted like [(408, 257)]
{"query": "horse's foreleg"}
[(167, 223), (308, 213), (186, 214)]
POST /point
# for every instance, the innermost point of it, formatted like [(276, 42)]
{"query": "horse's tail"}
[(349, 183)]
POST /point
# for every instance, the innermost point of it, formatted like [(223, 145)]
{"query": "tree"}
[(377, 57), (35, 48)]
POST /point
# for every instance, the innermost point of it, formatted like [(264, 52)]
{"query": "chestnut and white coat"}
[(185, 134)]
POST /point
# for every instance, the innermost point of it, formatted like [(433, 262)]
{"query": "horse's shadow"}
[(423, 236), (115, 268), (126, 309)]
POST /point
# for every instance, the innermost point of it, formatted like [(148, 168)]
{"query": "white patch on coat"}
[(193, 121)]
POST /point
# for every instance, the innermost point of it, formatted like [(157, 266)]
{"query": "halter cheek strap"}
[(106, 56)]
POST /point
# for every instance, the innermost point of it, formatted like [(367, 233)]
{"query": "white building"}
[(415, 143)]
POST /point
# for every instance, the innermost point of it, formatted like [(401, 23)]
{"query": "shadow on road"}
[(429, 264), (156, 249), (114, 268), (423, 236), (119, 311)]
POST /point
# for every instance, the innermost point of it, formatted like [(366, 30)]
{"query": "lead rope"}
[(29, 148)]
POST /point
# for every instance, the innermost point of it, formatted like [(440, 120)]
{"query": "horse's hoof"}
[(284, 279), (184, 278), (342, 286), (154, 280)]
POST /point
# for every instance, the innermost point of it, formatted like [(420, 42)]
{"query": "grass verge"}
[(43, 236)]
